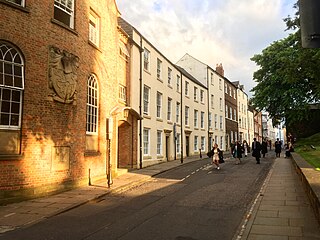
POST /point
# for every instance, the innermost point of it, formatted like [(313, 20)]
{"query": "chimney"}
[(219, 69)]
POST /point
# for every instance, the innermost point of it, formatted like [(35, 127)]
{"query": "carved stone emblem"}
[(62, 75)]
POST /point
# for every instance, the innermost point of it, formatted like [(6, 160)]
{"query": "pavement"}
[(281, 210)]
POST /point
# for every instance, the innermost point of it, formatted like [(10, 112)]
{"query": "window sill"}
[(146, 116), (11, 157), (159, 119), (16, 6), (94, 46), (64, 26), (92, 153)]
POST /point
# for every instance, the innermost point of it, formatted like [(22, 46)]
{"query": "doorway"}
[(187, 145)]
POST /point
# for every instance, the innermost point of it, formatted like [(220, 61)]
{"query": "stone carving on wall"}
[(60, 158), (62, 75)]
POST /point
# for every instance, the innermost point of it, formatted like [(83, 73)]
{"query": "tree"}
[(288, 78)]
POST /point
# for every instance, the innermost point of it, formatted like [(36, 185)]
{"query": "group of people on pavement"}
[(238, 149), (257, 149)]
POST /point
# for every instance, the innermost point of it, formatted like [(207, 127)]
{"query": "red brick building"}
[(63, 82)]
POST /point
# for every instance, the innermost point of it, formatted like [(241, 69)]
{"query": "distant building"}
[(242, 112), (214, 82)]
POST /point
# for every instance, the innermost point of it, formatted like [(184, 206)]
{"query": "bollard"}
[(200, 153)]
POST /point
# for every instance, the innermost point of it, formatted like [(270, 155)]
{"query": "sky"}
[(213, 31)]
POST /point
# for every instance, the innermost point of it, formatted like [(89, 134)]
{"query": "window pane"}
[(62, 16), (7, 68), (17, 71), (8, 80), (14, 120), (15, 108), (4, 120), (6, 94), (5, 107), (18, 82)]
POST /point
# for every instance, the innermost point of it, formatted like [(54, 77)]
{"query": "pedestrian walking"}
[(256, 149), (216, 155), (237, 152), (278, 146), (245, 147), (264, 148)]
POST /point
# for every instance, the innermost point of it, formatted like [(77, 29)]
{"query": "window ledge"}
[(10, 157), (16, 6), (92, 153), (64, 26), (94, 46)]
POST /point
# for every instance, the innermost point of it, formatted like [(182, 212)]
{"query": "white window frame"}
[(146, 99), (178, 143), (22, 2), (146, 141), (221, 122), (66, 7), (216, 121), (195, 94), (159, 104), (195, 117), (169, 76), (201, 96), (146, 59), (92, 105), (195, 144), (159, 69), (94, 28), (178, 83), (12, 63), (221, 105), (159, 142), (186, 89), (169, 112), (212, 101), (186, 120), (177, 112), (202, 120), (122, 93), (203, 143), (210, 120)]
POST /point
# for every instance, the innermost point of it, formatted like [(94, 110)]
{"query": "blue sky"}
[(214, 31)]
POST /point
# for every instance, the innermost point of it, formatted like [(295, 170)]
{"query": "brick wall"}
[(46, 123)]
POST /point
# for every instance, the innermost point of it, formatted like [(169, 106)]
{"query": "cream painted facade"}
[(158, 93), (215, 95), (250, 127), (242, 112), (194, 116)]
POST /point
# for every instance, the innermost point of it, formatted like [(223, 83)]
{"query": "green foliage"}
[(310, 154), (288, 78)]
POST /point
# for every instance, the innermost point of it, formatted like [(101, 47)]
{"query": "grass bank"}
[(309, 149)]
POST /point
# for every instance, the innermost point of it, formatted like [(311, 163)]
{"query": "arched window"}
[(92, 105), (11, 86)]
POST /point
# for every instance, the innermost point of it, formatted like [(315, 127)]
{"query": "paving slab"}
[(282, 209)]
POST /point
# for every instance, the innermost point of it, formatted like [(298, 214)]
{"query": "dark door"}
[(167, 147), (187, 146)]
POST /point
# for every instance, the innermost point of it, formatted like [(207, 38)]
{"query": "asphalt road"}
[(191, 202)]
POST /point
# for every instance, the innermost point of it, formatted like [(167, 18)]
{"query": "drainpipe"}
[(208, 98), (181, 120), (140, 104)]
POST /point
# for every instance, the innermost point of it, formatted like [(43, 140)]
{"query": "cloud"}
[(214, 31)]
